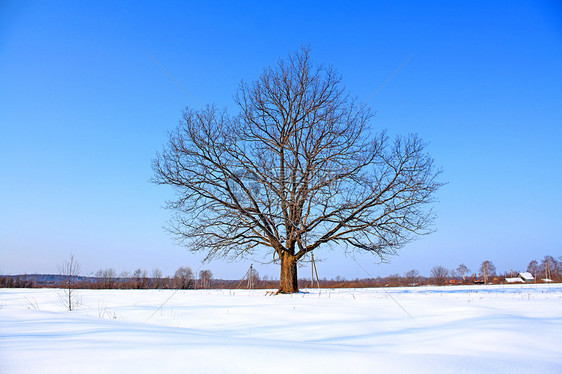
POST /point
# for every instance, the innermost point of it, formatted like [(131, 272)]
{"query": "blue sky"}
[(84, 109)]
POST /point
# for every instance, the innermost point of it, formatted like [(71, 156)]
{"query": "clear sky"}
[(84, 109)]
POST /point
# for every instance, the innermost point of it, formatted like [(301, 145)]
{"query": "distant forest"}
[(549, 269)]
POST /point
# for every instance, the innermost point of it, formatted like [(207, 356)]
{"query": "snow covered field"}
[(472, 329)]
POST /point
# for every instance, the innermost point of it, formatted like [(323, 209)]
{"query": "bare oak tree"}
[(299, 167)]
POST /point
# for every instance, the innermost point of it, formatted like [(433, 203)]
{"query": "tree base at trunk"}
[(281, 292), (288, 282)]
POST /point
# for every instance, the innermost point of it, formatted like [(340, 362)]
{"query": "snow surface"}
[(514, 280), (461, 329)]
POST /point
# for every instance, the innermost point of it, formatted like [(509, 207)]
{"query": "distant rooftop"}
[(514, 280)]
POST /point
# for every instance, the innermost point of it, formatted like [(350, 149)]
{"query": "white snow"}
[(514, 280), (527, 276), (461, 329)]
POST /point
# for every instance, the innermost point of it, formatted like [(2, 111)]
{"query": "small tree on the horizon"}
[(124, 274), (439, 274), (412, 277), (183, 278), (70, 270), (298, 167), (532, 267), (205, 277), (548, 267), (463, 270), (140, 278), (106, 278), (156, 278), (487, 269)]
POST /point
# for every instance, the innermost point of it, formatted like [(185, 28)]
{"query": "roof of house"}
[(514, 280), (527, 276)]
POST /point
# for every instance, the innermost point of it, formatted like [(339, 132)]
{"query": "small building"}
[(527, 277)]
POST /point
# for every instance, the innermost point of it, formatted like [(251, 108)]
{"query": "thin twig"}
[(381, 86), (176, 81)]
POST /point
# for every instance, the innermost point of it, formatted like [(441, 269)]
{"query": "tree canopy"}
[(297, 167)]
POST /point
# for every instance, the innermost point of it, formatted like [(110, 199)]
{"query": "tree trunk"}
[(288, 282)]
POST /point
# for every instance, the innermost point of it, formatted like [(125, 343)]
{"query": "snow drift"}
[(466, 329)]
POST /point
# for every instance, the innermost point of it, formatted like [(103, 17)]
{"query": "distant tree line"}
[(183, 278), (16, 281), (69, 278), (548, 269)]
